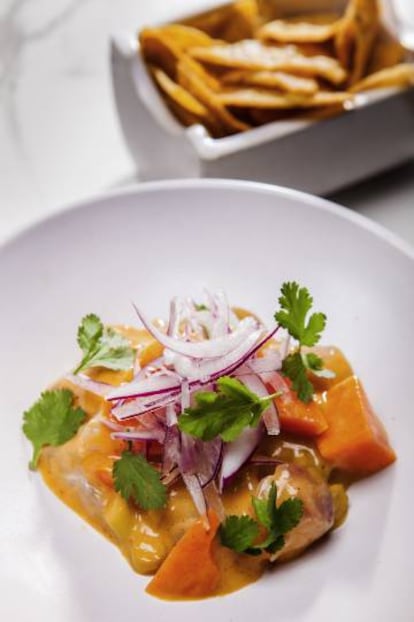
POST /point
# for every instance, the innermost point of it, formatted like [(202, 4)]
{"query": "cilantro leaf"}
[(136, 479), (294, 368), (288, 515), (265, 509), (239, 533), (51, 420), (224, 413), (102, 347), (296, 302), (312, 361), (90, 331)]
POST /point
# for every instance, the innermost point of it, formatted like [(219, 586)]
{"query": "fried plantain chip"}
[(284, 31), (355, 36), (261, 98), (181, 98), (254, 55), (272, 79), (190, 79), (399, 75)]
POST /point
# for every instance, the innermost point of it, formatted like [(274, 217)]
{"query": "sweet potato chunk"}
[(190, 570), (334, 360), (295, 416), (355, 440)]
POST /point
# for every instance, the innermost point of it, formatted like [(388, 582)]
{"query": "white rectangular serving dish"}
[(314, 156)]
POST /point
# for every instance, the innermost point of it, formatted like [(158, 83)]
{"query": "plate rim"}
[(137, 188)]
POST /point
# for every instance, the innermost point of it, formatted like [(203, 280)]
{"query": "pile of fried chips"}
[(242, 65)]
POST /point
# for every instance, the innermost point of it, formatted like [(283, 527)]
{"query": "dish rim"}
[(320, 203)]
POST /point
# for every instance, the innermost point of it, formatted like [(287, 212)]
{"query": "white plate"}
[(165, 238)]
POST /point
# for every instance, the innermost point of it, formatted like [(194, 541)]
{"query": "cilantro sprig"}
[(102, 346), (136, 480), (240, 533), (225, 412), (296, 303), (52, 420)]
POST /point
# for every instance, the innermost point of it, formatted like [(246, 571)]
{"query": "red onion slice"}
[(269, 417), (153, 385), (138, 407), (272, 362), (209, 460), (210, 348), (84, 382), (172, 449), (141, 435), (227, 365), (236, 453), (194, 488), (213, 368)]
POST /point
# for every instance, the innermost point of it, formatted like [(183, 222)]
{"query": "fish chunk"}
[(318, 509)]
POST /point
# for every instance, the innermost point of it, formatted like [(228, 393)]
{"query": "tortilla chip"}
[(261, 98), (192, 82), (272, 79), (182, 98), (297, 32), (160, 50), (243, 22), (399, 75), (254, 55), (315, 18), (230, 22), (186, 36), (355, 36), (386, 52)]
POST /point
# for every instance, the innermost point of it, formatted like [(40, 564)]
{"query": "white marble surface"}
[(59, 135)]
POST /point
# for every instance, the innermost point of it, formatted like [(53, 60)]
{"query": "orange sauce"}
[(80, 474)]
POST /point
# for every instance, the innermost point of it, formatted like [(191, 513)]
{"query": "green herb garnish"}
[(135, 479), (296, 302), (102, 346), (52, 420), (240, 533), (225, 412)]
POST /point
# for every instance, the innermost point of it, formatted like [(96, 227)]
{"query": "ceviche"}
[(209, 447)]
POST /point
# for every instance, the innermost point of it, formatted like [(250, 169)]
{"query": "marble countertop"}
[(59, 134)]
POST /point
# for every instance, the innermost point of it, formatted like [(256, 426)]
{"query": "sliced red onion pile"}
[(201, 344)]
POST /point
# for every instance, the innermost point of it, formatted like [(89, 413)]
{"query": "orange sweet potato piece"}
[(295, 416), (190, 570), (334, 360), (355, 440)]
